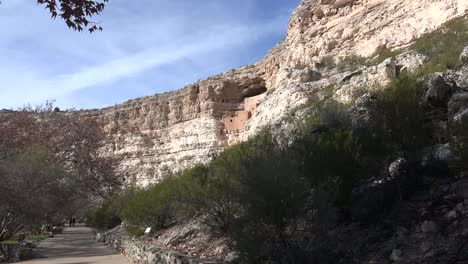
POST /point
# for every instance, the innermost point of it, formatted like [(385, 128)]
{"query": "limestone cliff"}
[(164, 133), (159, 134)]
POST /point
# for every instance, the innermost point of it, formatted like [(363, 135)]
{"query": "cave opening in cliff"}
[(254, 91)]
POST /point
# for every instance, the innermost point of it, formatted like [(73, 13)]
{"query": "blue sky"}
[(147, 47)]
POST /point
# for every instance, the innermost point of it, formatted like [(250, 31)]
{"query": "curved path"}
[(76, 245)]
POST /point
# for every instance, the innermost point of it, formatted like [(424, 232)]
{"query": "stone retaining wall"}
[(10, 253), (143, 252)]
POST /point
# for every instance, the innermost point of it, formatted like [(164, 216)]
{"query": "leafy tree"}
[(77, 14), (34, 190), (69, 139), (51, 166)]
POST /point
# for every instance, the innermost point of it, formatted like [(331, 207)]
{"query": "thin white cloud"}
[(128, 66), (42, 64)]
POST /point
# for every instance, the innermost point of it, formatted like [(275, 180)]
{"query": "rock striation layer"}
[(157, 135)]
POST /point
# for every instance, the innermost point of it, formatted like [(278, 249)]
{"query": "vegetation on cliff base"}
[(276, 201), (401, 116), (276, 198), (443, 47)]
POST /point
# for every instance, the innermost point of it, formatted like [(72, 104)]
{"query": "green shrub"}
[(225, 182), (383, 55), (324, 114), (273, 198), (325, 93), (443, 46), (327, 62), (36, 238), (104, 217), (153, 207), (212, 193), (276, 201), (194, 183), (401, 125), (9, 242), (135, 231), (320, 152), (352, 62), (328, 92), (289, 194), (109, 213), (358, 92)]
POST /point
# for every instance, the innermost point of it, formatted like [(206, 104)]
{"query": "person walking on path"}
[(73, 221), (70, 222)]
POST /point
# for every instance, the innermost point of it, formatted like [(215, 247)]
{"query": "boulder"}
[(398, 168), (426, 246), (26, 244), (343, 3), (348, 77), (461, 117), (327, 2), (390, 68), (444, 153), (438, 92), (451, 215), (152, 258), (57, 229), (457, 105), (429, 227), (460, 208), (380, 192), (409, 62), (460, 188), (464, 56), (403, 71), (437, 160), (27, 253), (396, 255), (100, 237), (458, 79), (231, 257), (318, 12)]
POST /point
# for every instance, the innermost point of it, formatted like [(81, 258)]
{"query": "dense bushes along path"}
[(76, 245)]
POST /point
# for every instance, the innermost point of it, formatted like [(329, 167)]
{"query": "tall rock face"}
[(156, 135), (338, 28)]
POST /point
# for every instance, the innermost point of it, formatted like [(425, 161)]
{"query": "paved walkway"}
[(76, 246)]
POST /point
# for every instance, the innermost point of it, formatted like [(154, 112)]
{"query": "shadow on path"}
[(76, 246)]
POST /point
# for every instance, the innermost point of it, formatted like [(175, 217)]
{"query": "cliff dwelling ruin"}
[(235, 121)]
